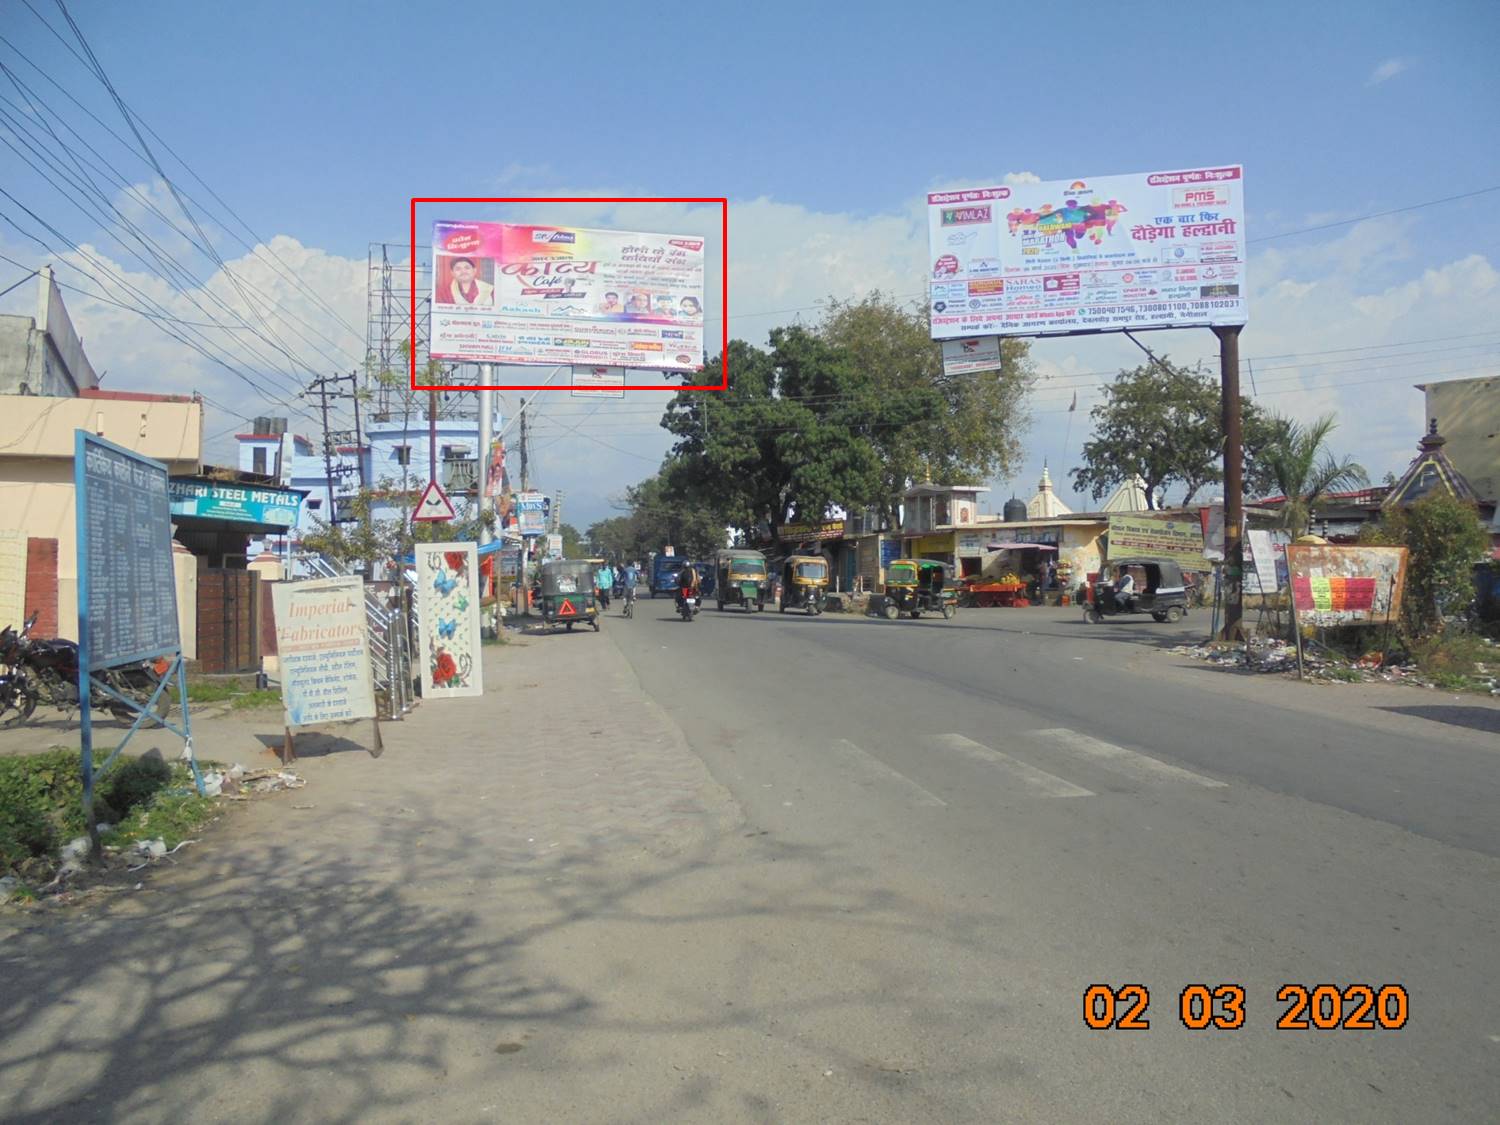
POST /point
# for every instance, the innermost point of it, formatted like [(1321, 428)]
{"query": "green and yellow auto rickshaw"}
[(918, 586), (566, 594), (804, 579), (741, 578)]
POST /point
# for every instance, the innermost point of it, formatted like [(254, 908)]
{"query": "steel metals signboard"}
[(1151, 250), (127, 596), (239, 503), (509, 293)]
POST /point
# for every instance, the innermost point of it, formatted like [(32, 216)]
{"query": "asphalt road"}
[(1032, 806)]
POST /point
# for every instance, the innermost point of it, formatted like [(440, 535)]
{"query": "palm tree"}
[(1304, 470)]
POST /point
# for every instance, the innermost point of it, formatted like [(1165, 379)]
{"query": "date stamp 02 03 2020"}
[(1323, 1007)]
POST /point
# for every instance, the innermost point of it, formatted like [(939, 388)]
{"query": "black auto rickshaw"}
[(566, 595), (804, 579), (918, 586), (741, 578), (1159, 589)]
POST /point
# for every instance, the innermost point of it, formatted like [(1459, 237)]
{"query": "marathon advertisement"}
[(1154, 250)]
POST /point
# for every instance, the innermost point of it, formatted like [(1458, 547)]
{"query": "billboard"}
[(1346, 585), (531, 512), (971, 355), (1150, 250), (1157, 535), (525, 294), (606, 382)]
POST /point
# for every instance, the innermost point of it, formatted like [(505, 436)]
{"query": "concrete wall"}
[(1468, 415)]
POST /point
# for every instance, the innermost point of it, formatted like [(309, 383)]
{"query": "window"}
[(402, 454), (314, 505), (258, 460)]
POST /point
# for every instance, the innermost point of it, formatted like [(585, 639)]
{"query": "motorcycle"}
[(46, 671), (687, 606)]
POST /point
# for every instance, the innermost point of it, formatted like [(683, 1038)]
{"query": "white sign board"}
[(1151, 250), (448, 619), (510, 293), (323, 645), (434, 507), (971, 354), (554, 545), (1263, 550), (599, 382)]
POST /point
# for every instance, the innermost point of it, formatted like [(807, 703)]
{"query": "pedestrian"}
[(604, 582)]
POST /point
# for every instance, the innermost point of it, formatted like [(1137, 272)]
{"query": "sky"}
[(296, 134)]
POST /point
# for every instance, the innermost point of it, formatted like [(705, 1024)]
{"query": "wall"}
[(12, 578), (1468, 415)]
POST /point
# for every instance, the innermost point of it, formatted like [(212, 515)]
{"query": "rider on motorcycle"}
[(687, 583)]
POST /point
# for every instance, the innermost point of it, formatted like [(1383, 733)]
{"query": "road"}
[(1042, 806)]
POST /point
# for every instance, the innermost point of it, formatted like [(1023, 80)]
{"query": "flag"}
[(1075, 403)]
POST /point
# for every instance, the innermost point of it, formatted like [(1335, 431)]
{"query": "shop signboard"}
[(598, 382), (323, 644), (970, 544), (535, 294), (804, 532), (1158, 535), (890, 551), (1149, 250), (1346, 585), (531, 513), (1265, 561), (276, 507), (448, 619)]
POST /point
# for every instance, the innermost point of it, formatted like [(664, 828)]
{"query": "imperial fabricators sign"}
[(237, 503), (322, 640)]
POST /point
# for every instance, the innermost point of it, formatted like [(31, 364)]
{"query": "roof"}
[(1356, 496), (1429, 474), (132, 396), (928, 486)]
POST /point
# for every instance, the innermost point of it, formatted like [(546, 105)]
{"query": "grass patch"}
[(240, 694), (41, 803), (253, 699), (1456, 661), (1341, 674)]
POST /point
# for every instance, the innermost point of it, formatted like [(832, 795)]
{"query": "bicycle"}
[(629, 599)]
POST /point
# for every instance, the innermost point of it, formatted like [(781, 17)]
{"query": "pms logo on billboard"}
[(554, 236), (964, 216), (946, 266), (1200, 197), (693, 244), (462, 242)]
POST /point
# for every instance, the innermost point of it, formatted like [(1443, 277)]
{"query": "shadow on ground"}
[(1478, 718), (276, 983)]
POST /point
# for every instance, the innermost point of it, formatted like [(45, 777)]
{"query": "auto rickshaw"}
[(1159, 591), (740, 578), (567, 594), (918, 586), (804, 578)]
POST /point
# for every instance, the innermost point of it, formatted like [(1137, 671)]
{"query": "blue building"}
[(391, 460)]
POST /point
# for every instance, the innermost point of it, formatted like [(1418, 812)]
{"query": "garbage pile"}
[(237, 782), (1271, 655)]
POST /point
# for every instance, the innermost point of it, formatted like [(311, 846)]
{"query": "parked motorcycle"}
[(46, 671)]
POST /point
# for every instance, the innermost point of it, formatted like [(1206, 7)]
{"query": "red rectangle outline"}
[(722, 201)]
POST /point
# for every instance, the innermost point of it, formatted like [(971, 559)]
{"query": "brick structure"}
[(41, 585)]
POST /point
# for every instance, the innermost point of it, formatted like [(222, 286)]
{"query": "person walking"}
[(604, 582)]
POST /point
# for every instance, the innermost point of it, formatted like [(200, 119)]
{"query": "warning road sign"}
[(566, 609), (434, 507)]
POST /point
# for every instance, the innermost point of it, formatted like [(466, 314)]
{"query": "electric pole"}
[(525, 478)]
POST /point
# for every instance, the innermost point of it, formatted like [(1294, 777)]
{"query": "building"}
[(1467, 413), (43, 355)]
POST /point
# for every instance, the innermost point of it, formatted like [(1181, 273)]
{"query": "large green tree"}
[(845, 414), (1164, 423)]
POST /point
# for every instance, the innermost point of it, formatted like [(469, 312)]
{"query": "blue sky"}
[(824, 125)]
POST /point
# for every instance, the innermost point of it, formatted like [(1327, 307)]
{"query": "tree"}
[(1160, 422), (1303, 470), (572, 541), (1444, 538)]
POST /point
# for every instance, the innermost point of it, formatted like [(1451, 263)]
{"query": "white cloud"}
[(1388, 70), (1015, 179), (1313, 300)]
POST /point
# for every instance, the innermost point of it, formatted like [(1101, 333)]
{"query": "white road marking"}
[(1127, 762), (871, 764), (1039, 783)]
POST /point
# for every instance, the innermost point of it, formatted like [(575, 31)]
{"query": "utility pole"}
[(359, 440), (432, 409), (486, 437), (525, 477), (557, 502), (1234, 548)]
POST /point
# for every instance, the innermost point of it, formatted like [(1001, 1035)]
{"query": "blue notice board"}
[(890, 551), (127, 593)]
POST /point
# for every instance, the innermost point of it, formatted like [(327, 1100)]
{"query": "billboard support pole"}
[(486, 437), (1234, 547), (432, 409)]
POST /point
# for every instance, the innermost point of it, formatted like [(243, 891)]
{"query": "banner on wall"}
[(1158, 535), (448, 619), (1149, 250)]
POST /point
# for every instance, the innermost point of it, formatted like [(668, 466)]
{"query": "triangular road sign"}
[(567, 610), (434, 507)]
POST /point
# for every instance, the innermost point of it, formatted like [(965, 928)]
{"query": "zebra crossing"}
[(1017, 768)]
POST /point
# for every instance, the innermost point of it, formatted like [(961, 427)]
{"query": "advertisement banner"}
[(598, 382), (531, 513), (1265, 561), (323, 643), (1148, 535), (804, 532), (971, 355), (1150, 250), (448, 619), (1346, 585), (509, 293), (277, 507)]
